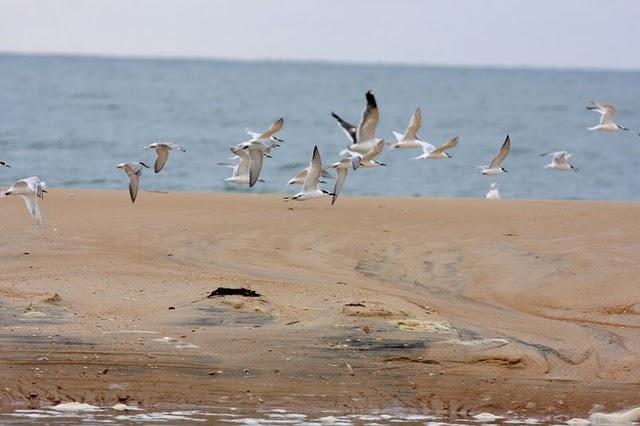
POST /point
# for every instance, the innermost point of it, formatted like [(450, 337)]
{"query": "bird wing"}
[(451, 143), (32, 206), (341, 173), (605, 110), (414, 126), (373, 152), (348, 128), (301, 174), (273, 129), (255, 165), (315, 171), (134, 183), (502, 154), (370, 116), (426, 147), (161, 159)]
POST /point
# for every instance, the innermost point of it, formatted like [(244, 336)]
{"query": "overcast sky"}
[(540, 33)]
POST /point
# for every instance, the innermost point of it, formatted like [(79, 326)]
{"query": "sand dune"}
[(450, 305)]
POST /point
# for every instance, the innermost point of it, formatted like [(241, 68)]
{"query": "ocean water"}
[(71, 120)]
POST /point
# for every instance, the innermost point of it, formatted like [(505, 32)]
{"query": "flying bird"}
[(410, 139), (430, 152), (606, 112), (493, 193), (30, 189), (362, 137), (162, 152), (133, 171), (559, 161), (310, 188), (495, 167), (240, 174)]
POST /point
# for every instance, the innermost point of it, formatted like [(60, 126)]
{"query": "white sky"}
[(539, 33)]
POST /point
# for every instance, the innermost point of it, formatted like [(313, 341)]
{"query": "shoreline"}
[(439, 305)]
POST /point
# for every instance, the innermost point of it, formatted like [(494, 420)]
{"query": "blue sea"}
[(70, 120)]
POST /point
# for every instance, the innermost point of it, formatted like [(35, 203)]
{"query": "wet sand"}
[(453, 306)]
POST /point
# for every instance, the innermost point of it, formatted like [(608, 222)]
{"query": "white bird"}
[(162, 151), (133, 171), (410, 137), (3, 164), (560, 161), (365, 160), (310, 188), (606, 112), (362, 137), (493, 193), (269, 134), (495, 167), (30, 189), (302, 174), (430, 152), (240, 172)]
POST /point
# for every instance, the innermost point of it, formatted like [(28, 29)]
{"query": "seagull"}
[(162, 150), (362, 137), (559, 161), (133, 170), (30, 189), (3, 164), (240, 173), (495, 167), (410, 137), (268, 135), (430, 152), (302, 174), (606, 112), (493, 193), (310, 188), (365, 160)]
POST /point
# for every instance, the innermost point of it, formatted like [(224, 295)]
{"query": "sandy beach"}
[(454, 306)]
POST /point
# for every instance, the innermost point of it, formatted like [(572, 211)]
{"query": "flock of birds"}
[(362, 148)]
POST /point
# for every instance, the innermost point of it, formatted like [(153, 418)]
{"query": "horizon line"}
[(196, 58)]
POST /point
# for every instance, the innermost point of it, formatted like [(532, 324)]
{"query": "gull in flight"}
[(259, 146), (559, 161), (310, 188), (30, 189), (362, 137), (430, 152), (410, 137), (133, 171), (495, 167), (606, 112), (365, 160), (269, 134), (302, 174), (240, 172), (162, 151), (3, 164), (493, 193)]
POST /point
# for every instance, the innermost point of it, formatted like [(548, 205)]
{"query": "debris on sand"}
[(70, 407), (53, 299), (227, 291)]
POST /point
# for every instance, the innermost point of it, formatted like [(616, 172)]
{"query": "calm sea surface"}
[(71, 120)]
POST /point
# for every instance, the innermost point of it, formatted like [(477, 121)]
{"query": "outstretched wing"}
[(255, 165), (161, 159), (134, 183), (32, 206), (411, 133), (341, 176), (314, 173), (273, 129), (370, 116), (502, 154), (451, 143), (348, 128)]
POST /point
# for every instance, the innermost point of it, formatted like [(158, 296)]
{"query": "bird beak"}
[(145, 165)]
